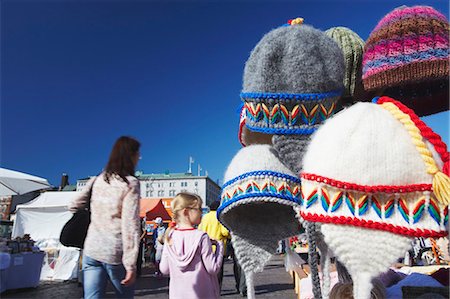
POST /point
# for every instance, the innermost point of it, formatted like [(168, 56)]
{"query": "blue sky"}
[(75, 75)]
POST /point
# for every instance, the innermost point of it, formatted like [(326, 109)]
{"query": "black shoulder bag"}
[(75, 230)]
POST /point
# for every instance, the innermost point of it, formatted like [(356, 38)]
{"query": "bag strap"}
[(88, 201)]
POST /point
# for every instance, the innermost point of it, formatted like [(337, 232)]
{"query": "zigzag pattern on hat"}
[(287, 116), (279, 113), (260, 184), (414, 211)]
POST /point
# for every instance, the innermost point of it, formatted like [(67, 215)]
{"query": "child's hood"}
[(185, 245)]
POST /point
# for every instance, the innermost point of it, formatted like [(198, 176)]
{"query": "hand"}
[(130, 278), (216, 242)]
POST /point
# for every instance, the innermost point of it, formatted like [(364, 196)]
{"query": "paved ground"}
[(273, 282)]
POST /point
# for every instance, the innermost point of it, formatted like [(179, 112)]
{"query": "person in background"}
[(141, 247), (112, 242), (215, 230), (187, 255), (158, 240)]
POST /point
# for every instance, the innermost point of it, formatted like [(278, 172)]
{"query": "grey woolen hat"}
[(292, 81)]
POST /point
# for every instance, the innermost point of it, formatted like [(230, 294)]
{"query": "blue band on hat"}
[(294, 96), (263, 173), (282, 131), (226, 203)]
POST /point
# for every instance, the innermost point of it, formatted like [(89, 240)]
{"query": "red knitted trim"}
[(398, 230), (427, 133), (241, 126), (366, 189)]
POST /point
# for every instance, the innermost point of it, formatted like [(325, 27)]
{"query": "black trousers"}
[(139, 259)]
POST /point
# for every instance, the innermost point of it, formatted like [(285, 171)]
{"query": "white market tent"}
[(43, 218), (15, 183)]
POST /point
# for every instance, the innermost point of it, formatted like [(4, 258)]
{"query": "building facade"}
[(169, 184)]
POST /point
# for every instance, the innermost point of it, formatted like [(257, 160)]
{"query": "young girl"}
[(187, 255)]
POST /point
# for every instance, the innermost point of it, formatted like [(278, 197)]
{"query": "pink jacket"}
[(192, 265)]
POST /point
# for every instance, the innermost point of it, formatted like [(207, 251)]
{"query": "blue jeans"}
[(95, 277)]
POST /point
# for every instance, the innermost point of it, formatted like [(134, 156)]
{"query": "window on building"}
[(196, 184), (172, 193), (161, 193)]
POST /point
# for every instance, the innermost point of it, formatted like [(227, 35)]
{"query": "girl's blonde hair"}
[(344, 290), (180, 202)]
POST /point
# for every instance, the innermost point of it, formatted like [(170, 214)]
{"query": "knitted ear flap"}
[(291, 149)]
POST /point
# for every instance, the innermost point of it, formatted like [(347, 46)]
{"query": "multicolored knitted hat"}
[(375, 176), (257, 206), (407, 57), (292, 80), (352, 47)]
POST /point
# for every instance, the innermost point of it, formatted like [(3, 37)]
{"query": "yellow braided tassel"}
[(441, 182), (441, 187)]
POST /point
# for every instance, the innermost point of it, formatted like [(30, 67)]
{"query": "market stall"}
[(43, 219), (151, 208), (426, 267), (20, 263)]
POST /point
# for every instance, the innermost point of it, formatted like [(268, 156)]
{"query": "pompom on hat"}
[(257, 206), (407, 57), (375, 176), (292, 81)]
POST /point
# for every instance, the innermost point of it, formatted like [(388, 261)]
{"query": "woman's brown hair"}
[(122, 158)]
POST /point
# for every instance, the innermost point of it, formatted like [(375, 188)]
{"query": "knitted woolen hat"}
[(407, 57), (352, 47), (292, 80), (257, 206), (372, 175)]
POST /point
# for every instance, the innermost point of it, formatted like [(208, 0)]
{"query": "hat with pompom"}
[(407, 57), (292, 80), (375, 176), (257, 204)]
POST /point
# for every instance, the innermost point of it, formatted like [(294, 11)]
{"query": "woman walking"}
[(112, 242)]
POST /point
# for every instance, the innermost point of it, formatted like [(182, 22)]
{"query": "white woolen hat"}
[(372, 176), (257, 206)]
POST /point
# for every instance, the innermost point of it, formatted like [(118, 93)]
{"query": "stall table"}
[(23, 271)]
